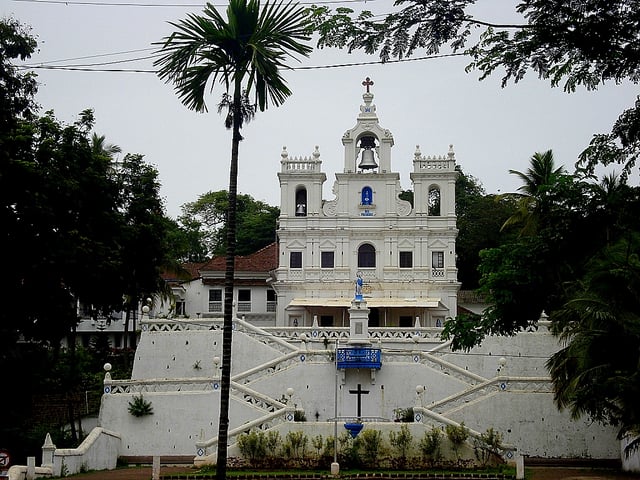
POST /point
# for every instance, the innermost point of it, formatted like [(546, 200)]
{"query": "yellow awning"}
[(371, 302)]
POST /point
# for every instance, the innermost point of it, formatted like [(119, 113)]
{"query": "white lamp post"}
[(335, 466)]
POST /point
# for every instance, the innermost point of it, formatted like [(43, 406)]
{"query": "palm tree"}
[(245, 54), (541, 175), (100, 147), (596, 372)]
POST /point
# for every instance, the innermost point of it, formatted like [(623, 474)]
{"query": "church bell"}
[(368, 161)]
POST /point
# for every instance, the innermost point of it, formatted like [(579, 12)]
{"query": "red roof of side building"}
[(264, 260), (190, 271)]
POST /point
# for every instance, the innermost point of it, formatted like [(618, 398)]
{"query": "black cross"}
[(367, 83), (359, 392)]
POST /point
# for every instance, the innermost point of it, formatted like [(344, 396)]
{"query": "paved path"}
[(533, 473)]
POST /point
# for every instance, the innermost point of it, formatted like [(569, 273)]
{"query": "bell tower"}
[(367, 146), (301, 180)]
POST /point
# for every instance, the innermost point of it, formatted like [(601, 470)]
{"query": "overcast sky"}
[(431, 103)]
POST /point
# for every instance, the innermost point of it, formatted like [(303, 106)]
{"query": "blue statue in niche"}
[(359, 287), (367, 196)]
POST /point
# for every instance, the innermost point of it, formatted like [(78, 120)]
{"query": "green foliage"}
[(403, 414), (349, 451), (430, 446), (317, 443), (139, 407), (401, 443), (299, 416), (479, 220), (582, 43), (206, 218), (371, 442), (596, 373), (273, 441), (253, 447), (457, 435), (487, 446), (257, 58), (18, 87), (295, 445)]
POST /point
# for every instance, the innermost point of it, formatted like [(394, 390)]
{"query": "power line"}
[(86, 68), (170, 5), (95, 56)]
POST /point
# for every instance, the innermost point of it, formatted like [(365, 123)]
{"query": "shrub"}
[(457, 435), (401, 442), (295, 446), (139, 407), (487, 446), (253, 447), (403, 415), (371, 443), (272, 445), (349, 451), (431, 446)]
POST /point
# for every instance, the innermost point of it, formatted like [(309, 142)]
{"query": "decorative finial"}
[(451, 153), (367, 83), (284, 153)]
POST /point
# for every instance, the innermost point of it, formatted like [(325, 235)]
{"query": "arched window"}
[(366, 256), (434, 201), (301, 202), (367, 196)]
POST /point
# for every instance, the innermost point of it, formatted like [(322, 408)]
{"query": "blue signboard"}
[(359, 357)]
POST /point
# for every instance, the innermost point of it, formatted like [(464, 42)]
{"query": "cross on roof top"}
[(367, 83)]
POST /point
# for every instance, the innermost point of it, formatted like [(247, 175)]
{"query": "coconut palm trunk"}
[(227, 329)]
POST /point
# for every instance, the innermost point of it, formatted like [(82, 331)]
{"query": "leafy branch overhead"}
[(571, 44)]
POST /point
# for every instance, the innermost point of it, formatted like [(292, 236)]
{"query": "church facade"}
[(403, 250)]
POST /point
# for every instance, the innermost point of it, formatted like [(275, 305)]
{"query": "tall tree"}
[(537, 183), (256, 222), (143, 248), (99, 146), (245, 53), (478, 217), (596, 372), (524, 274)]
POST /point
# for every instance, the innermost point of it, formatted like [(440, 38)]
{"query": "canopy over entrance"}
[(371, 302)]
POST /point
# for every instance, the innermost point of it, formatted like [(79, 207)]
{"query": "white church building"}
[(404, 254), (356, 291)]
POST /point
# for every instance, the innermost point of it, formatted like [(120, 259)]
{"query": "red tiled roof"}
[(264, 260), (191, 272)]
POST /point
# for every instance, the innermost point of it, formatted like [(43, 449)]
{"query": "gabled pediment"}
[(327, 244), (405, 243), (296, 245), (437, 244)]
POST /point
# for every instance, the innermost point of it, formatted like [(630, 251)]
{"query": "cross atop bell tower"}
[(367, 83)]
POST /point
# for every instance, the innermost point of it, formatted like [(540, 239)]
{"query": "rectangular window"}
[(406, 259), (295, 260), (326, 260), (244, 300), (272, 301), (437, 259), (215, 300)]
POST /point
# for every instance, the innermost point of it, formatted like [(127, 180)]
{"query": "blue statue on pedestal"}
[(359, 287)]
